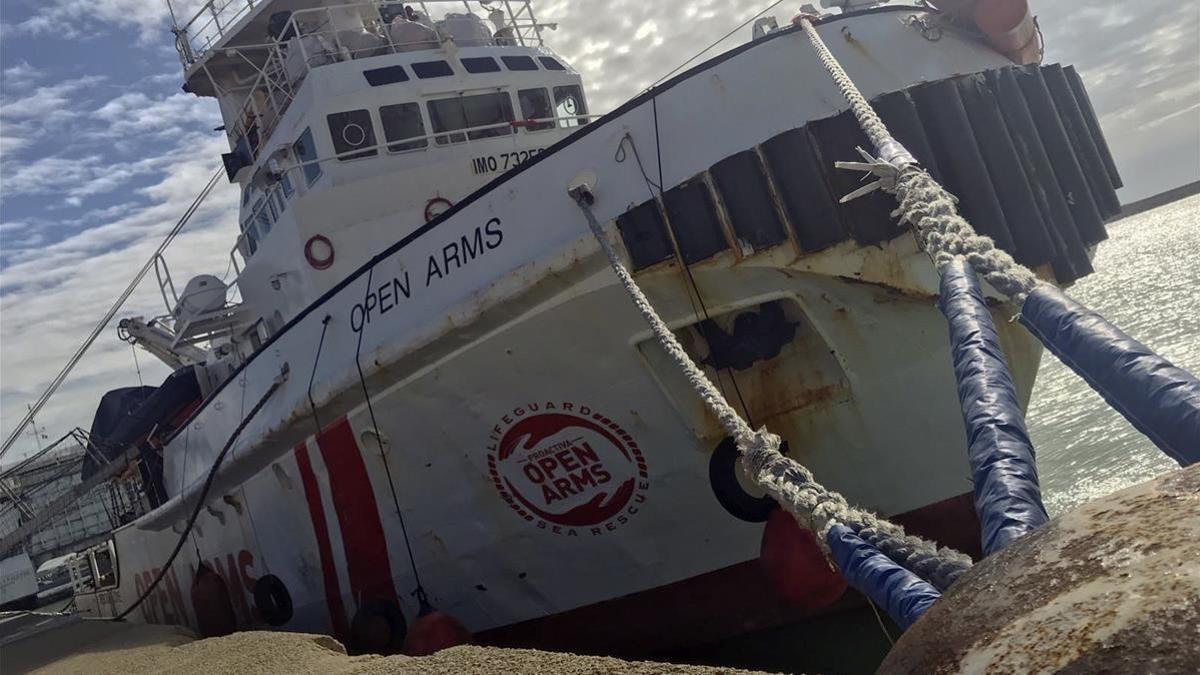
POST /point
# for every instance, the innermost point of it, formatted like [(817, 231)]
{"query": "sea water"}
[(1147, 282)]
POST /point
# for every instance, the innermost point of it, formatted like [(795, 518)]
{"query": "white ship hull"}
[(548, 463)]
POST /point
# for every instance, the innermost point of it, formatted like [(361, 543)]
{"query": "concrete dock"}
[(66, 644)]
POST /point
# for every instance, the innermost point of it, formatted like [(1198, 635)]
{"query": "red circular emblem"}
[(568, 468)]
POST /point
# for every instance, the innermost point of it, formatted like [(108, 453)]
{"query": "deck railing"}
[(218, 19), (308, 40)]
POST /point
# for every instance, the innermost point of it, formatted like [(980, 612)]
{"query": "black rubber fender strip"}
[(1030, 234), (1062, 155), (272, 600), (958, 153), (868, 219), (795, 167), (1093, 123), (1070, 260), (1081, 139), (722, 477)]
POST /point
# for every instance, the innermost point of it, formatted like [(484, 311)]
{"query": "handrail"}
[(252, 115), (213, 22)]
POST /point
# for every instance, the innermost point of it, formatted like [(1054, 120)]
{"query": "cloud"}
[(53, 293), (15, 78), (108, 138), (49, 101), (73, 18), (137, 113)]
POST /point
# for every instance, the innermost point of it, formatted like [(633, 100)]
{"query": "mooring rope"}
[(923, 202), (791, 484)]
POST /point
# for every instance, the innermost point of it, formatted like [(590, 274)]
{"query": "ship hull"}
[(479, 412)]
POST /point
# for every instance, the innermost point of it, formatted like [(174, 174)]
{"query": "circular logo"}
[(567, 468)]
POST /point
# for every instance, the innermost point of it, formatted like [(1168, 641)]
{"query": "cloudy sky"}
[(100, 151)]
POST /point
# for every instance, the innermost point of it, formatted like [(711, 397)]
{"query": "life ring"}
[(378, 627), (272, 600), (210, 599), (723, 477), (310, 254), (431, 206)]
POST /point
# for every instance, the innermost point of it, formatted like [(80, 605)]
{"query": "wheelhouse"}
[(352, 123)]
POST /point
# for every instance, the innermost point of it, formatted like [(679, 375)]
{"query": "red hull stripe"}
[(316, 511), (367, 562)]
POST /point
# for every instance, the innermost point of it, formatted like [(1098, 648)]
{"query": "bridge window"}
[(568, 101), (105, 572), (378, 77), (428, 69), (535, 105), (306, 154), (481, 64), (351, 131), (400, 122), (519, 62), (263, 217), (551, 63), (450, 114)]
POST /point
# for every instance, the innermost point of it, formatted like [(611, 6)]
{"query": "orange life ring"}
[(318, 263), (436, 201)]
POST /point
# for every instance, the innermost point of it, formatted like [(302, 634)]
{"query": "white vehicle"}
[(54, 579), (426, 383), (18, 583)]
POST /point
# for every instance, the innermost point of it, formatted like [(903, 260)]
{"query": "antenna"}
[(174, 20), (37, 432)]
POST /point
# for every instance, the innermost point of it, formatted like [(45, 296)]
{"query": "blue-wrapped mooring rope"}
[(1158, 398), (1008, 499), (902, 594)]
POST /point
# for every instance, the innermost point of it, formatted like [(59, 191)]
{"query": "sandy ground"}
[(129, 650)]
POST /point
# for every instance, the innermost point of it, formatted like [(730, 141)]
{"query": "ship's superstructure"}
[(425, 383), (345, 119)]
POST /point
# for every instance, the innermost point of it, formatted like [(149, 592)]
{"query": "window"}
[(381, 76), (535, 105), (568, 101), (428, 69), (519, 62), (551, 63), (449, 114), (106, 573), (400, 122), (306, 151), (251, 241), (481, 64), (285, 182), (351, 130), (280, 205), (262, 218)]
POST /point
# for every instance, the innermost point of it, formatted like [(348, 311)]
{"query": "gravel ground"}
[(161, 649)]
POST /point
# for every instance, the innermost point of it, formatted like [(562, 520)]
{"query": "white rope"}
[(924, 204), (791, 484)]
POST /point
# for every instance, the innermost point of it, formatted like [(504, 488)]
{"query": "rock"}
[(1112, 586)]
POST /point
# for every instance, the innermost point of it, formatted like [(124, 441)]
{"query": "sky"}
[(101, 152)]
